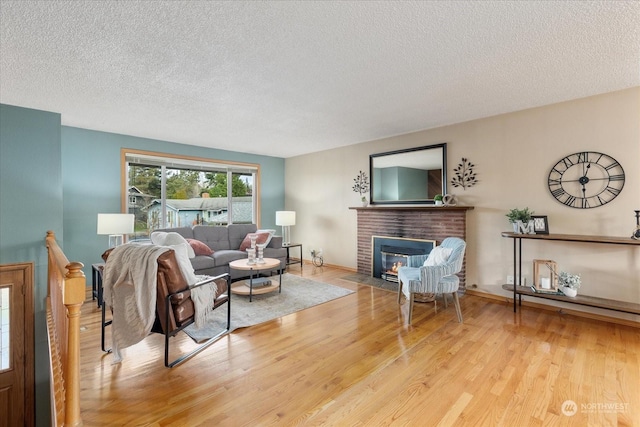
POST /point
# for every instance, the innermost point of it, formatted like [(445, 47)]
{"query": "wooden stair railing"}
[(65, 294)]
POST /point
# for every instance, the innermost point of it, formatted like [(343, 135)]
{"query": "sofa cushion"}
[(216, 238), (200, 248), (279, 253), (261, 238), (203, 262), (226, 256)]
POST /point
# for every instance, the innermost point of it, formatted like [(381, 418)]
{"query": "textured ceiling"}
[(289, 78)]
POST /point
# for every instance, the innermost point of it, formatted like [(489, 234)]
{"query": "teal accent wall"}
[(31, 204), (59, 178), (91, 176)]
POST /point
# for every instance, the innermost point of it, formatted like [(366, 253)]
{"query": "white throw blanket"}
[(203, 299), (129, 286)]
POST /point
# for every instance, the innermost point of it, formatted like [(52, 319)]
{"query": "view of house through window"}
[(167, 192)]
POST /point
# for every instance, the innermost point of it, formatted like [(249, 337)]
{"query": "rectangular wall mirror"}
[(413, 175)]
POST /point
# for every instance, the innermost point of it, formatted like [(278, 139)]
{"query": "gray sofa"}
[(225, 242)]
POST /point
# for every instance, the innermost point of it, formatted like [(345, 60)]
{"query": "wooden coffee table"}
[(255, 285)]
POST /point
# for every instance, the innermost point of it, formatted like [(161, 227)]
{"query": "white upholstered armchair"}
[(436, 279)]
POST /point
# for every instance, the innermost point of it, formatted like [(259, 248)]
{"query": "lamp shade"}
[(285, 218), (110, 224)]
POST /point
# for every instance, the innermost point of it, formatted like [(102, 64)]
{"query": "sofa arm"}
[(276, 242)]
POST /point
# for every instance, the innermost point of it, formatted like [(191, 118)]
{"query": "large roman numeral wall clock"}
[(586, 180)]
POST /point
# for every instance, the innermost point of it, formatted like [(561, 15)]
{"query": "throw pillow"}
[(438, 256), (200, 248), (186, 268), (158, 237), (271, 234), (162, 238), (260, 238)]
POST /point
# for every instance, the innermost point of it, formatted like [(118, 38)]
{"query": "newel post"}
[(74, 295)]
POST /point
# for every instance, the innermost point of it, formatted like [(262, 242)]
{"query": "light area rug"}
[(297, 294)]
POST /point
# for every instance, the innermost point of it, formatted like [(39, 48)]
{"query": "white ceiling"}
[(289, 78)]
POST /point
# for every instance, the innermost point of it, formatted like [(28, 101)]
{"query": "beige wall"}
[(513, 153)]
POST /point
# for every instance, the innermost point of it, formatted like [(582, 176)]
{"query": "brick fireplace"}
[(431, 223)]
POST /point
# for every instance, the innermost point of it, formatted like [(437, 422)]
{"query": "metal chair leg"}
[(410, 306), (168, 334), (103, 324), (198, 349), (456, 302)]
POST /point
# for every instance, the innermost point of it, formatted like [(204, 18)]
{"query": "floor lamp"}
[(286, 219), (115, 226)]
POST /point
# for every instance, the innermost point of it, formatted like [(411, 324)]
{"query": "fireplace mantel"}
[(412, 208), (417, 222)]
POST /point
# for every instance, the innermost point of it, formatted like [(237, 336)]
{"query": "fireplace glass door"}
[(393, 258)]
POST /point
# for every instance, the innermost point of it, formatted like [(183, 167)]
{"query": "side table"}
[(289, 246), (96, 282)]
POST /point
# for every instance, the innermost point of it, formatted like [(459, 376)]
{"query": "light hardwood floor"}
[(353, 362)]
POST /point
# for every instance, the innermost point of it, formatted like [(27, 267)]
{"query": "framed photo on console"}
[(540, 224), (545, 279)]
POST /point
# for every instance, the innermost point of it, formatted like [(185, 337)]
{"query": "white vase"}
[(251, 256), (516, 227), (260, 259), (569, 292), (438, 202)]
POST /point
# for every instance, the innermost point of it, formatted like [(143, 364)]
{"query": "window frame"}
[(174, 161)]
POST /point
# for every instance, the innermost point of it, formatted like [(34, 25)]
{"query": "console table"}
[(622, 306)]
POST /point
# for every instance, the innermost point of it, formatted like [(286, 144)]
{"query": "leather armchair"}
[(175, 309)]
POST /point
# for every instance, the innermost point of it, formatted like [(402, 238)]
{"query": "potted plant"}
[(438, 199), (569, 283), (361, 185), (519, 217)]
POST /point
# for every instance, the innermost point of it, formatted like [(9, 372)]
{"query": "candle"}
[(545, 283)]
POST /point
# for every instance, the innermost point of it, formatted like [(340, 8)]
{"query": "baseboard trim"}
[(324, 264), (560, 310)]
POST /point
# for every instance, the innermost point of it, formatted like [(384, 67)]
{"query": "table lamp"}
[(115, 226), (286, 219)]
